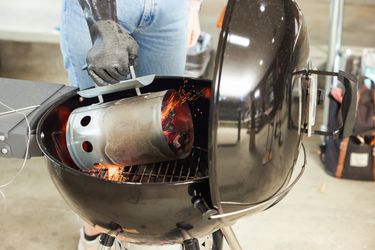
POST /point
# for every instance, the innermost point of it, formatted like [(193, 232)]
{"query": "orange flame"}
[(173, 102), (178, 98), (113, 172)]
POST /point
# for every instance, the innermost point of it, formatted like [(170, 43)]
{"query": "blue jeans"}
[(158, 26)]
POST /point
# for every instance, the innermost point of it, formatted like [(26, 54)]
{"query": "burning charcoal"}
[(180, 141), (110, 172), (169, 127), (172, 113), (177, 122), (176, 143), (184, 137)]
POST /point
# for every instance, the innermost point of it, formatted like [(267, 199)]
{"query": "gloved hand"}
[(113, 51)]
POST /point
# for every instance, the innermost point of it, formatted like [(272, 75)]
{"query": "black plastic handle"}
[(349, 103)]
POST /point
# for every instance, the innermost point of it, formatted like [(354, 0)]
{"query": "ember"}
[(194, 94), (111, 172), (206, 93)]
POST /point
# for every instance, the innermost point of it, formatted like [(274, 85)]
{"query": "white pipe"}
[(334, 52)]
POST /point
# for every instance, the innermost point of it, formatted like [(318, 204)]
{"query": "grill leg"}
[(231, 238), (191, 244), (217, 237)]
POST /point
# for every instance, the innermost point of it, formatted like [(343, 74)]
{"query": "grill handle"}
[(189, 243), (349, 102)]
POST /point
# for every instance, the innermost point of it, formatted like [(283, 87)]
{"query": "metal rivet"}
[(4, 151)]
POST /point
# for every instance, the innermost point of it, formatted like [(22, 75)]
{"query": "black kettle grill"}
[(247, 135)]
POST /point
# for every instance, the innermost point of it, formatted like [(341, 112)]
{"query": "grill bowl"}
[(148, 211)]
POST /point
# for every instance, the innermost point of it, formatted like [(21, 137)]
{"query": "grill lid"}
[(253, 146)]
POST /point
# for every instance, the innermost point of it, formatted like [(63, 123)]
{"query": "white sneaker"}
[(204, 243), (129, 246), (84, 244)]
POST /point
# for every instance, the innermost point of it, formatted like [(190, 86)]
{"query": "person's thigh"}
[(162, 38), (75, 41)]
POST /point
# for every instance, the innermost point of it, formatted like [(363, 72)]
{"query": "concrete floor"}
[(321, 212)]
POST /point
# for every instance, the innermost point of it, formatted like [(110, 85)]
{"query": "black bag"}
[(353, 157)]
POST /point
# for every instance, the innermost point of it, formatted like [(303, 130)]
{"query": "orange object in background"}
[(221, 18)]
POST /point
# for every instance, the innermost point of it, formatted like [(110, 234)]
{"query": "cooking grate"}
[(190, 168)]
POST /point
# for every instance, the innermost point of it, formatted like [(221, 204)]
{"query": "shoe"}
[(205, 243), (129, 246), (84, 244)]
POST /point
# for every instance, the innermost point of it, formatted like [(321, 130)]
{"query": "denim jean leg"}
[(129, 13), (159, 27), (75, 41), (162, 37)]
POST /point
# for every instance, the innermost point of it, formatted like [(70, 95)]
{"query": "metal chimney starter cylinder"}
[(138, 130)]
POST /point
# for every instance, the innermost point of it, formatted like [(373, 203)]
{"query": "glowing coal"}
[(177, 123)]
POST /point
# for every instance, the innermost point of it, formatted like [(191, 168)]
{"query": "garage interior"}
[(321, 212)]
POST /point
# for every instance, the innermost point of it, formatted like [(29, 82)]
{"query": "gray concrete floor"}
[(321, 212)]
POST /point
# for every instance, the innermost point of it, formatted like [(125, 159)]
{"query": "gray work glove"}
[(113, 51)]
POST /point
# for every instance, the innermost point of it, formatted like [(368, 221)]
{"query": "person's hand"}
[(113, 51), (337, 94), (194, 27)]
